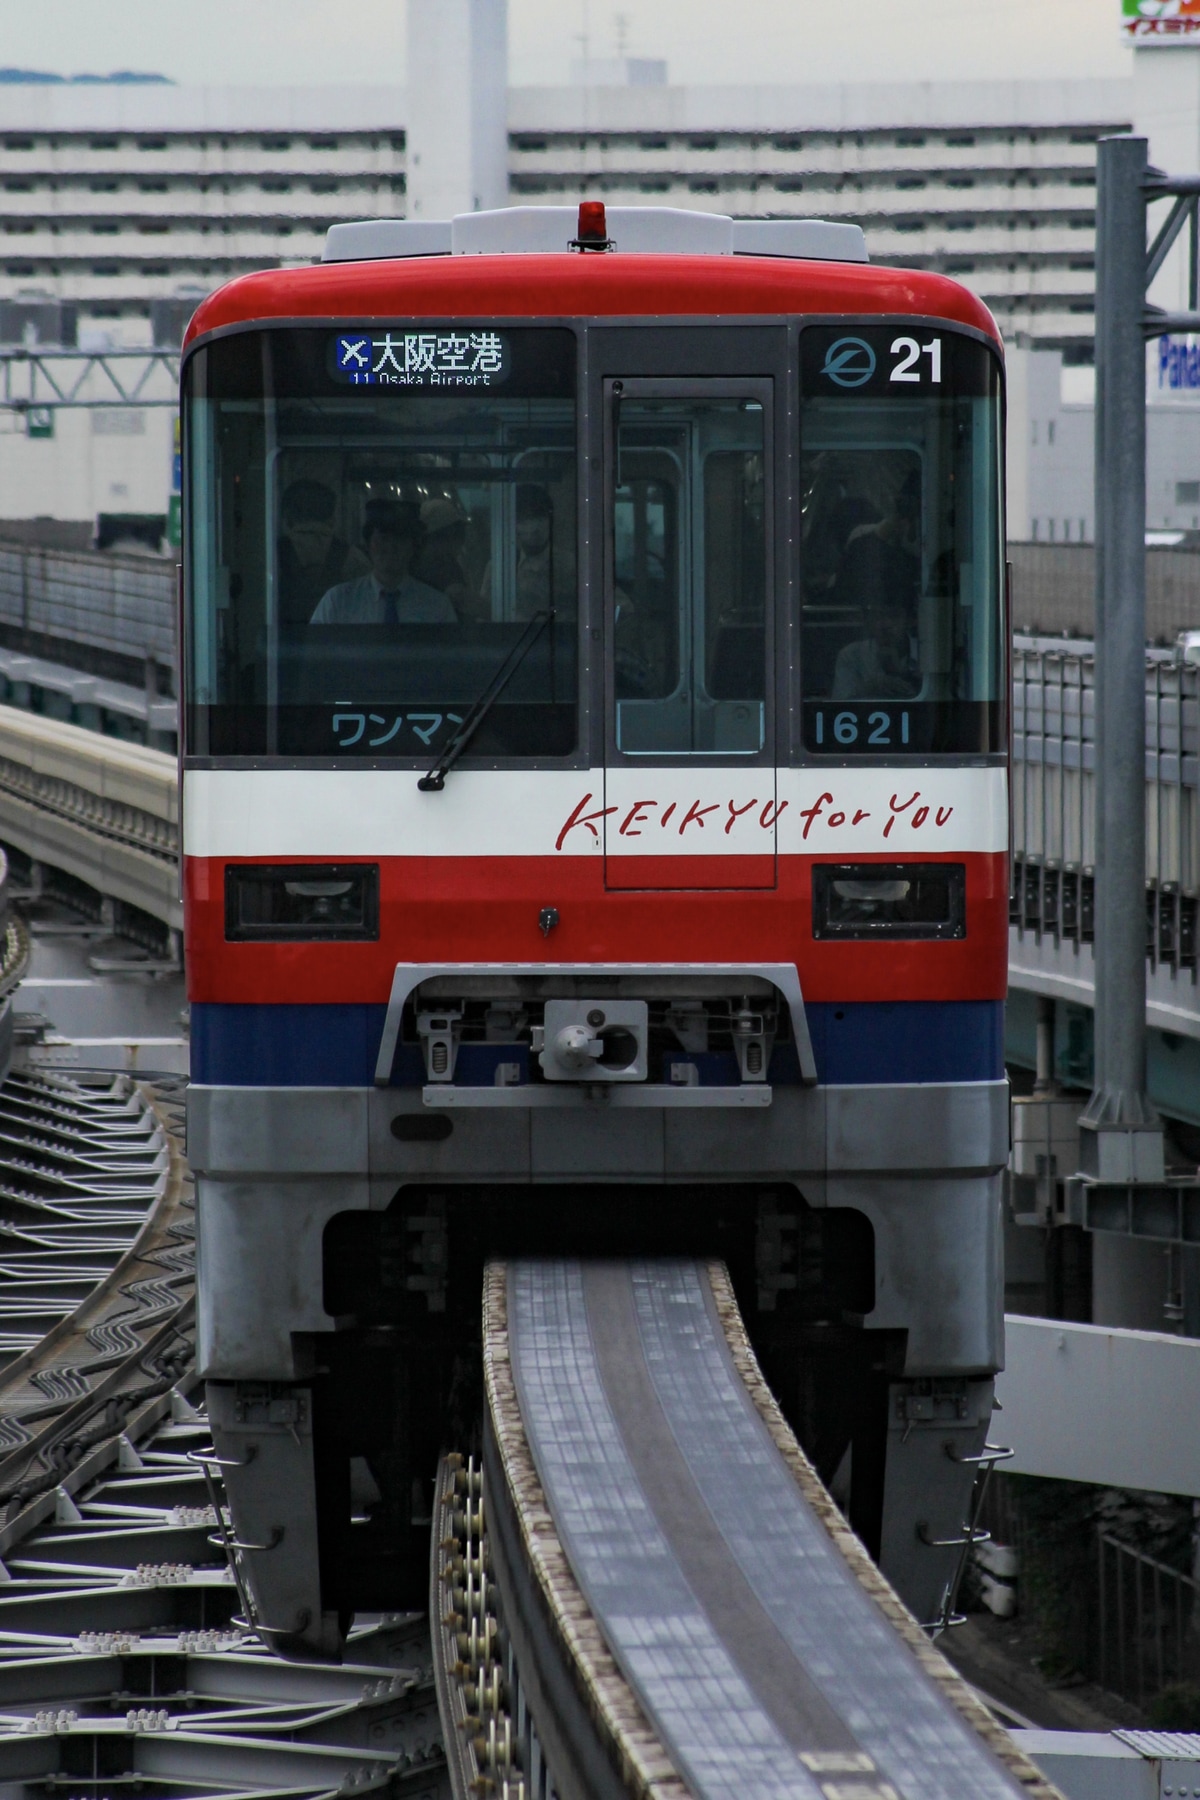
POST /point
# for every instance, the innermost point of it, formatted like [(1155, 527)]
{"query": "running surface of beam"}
[(690, 1614)]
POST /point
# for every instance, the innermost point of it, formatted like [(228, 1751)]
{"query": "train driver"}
[(389, 593)]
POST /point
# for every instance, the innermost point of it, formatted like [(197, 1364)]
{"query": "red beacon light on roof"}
[(592, 228)]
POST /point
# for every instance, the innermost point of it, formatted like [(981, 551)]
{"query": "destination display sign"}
[(418, 357)]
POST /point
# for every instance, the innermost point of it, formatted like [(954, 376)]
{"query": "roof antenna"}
[(592, 228)]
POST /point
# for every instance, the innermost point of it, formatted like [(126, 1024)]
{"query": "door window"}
[(688, 564)]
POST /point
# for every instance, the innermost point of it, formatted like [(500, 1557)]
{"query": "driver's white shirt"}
[(361, 602)]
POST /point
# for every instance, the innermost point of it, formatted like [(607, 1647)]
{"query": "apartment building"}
[(111, 196)]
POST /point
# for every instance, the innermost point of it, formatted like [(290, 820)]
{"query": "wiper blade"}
[(435, 780)]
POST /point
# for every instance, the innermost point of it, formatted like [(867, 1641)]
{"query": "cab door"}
[(689, 767)]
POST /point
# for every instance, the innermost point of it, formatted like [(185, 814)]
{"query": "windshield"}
[(901, 541), (376, 517)]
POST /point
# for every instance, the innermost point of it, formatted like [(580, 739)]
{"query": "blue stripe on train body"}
[(853, 1043)]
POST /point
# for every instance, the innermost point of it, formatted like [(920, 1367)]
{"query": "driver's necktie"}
[(391, 605)]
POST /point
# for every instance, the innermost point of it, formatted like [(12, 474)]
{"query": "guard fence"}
[(1102, 1607)]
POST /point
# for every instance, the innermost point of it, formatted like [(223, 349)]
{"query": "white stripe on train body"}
[(693, 811)]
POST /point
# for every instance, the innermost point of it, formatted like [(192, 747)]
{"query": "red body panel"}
[(460, 909), (456, 909), (495, 287)]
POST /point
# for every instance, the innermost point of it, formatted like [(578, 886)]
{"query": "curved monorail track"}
[(686, 1610), (643, 1591)]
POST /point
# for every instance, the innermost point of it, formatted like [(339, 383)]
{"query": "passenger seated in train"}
[(881, 576), (389, 593), (535, 550), (881, 665), (441, 558), (534, 572), (312, 556)]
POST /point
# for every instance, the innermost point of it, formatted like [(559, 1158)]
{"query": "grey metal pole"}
[(1119, 1097)]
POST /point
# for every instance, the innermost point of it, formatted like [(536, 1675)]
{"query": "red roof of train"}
[(642, 286)]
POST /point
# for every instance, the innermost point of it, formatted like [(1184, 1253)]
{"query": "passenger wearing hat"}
[(441, 557), (312, 556), (389, 594)]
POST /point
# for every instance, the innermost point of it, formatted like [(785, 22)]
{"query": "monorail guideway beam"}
[(681, 1605)]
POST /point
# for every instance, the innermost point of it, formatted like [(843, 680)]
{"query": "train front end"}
[(595, 815)]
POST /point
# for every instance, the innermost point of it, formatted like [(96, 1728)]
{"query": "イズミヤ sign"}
[(1160, 21)]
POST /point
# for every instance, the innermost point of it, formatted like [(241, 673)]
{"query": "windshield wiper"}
[(435, 780)]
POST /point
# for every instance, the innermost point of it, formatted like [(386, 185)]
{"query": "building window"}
[(787, 143), (912, 181), (703, 187), (652, 143), (275, 186), (330, 143), (18, 143), (699, 143), (960, 140), (960, 224), (276, 143), (520, 143), (910, 141), (152, 187), (1187, 493), (103, 187), (149, 143), (105, 228), (1050, 428), (18, 187), (960, 181), (17, 226), (106, 268), (104, 143), (154, 227), (789, 184)]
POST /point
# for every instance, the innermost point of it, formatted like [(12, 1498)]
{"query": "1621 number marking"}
[(875, 731)]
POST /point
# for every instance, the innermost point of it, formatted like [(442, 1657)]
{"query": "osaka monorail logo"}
[(850, 362)]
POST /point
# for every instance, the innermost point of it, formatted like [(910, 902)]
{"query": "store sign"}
[(1173, 370), (1160, 21)]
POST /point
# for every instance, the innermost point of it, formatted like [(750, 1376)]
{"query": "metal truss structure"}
[(50, 377)]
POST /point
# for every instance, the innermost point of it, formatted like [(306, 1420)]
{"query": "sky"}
[(300, 42)]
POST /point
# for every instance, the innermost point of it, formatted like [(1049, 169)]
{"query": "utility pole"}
[(1121, 1138)]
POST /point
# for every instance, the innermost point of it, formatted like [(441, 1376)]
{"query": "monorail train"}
[(595, 817)]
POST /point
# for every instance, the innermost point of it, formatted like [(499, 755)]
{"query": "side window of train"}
[(901, 558), (687, 559), (382, 519)]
